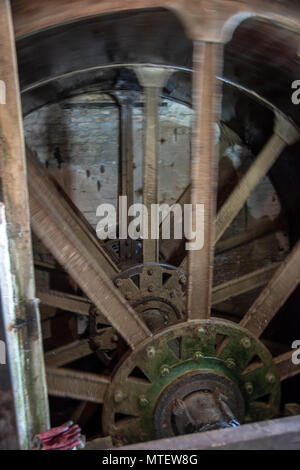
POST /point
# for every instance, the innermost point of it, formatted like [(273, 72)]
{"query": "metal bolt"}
[(270, 378), (201, 331), (230, 363), (172, 294), (118, 397), (143, 401), (150, 289), (182, 280), (246, 342), (118, 282), (150, 272), (164, 371), (198, 355), (249, 388), (115, 338), (151, 353)]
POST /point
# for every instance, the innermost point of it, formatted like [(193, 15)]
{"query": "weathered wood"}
[(59, 237), (78, 385), (24, 344), (152, 80), (285, 134), (243, 284), (275, 434), (259, 229), (285, 365), (70, 303), (68, 353), (277, 291), (207, 62), (249, 181)]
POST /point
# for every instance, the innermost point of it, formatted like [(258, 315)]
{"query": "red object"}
[(65, 437)]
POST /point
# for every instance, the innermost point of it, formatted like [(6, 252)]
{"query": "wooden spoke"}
[(286, 366), (152, 80), (69, 244), (70, 303), (243, 284), (67, 354), (78, 385), (259, 229), (126, 101), (281, 285), (284, 134), (207, 60)]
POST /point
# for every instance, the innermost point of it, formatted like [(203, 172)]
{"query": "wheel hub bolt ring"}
[(246, 342), (230, 363), (198, 355), (270, 378), (151, 353), (118, 397), (249, 388), (143, 402), (201, 332), (164, 371)]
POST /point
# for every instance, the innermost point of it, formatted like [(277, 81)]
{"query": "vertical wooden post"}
[(20, 311), (206, 102)]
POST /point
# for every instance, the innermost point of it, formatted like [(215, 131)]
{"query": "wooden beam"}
[(68, 353), (152, 80), (24, 343), (78, 385), (285, 134), (243, 284), (206, 96), (277, 291), (286, 367)]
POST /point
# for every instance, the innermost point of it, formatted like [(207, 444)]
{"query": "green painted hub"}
[(218, 346)]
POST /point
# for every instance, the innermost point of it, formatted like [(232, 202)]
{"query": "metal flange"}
[(227, 352)]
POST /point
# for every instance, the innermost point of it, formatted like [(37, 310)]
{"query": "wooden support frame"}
[(21, 315)]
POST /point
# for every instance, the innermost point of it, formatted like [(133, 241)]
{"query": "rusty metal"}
[(193, 347), (157, 304)]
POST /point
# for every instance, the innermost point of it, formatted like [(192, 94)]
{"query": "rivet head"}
[(246, 342), (118, 282), (230, 363), (249, 388), (150, 289), (201, 331), (270, 378), (198, 355), (118, 396), (151, 353), (164, 371), (172, 294), (150, 272), (143, 402)]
